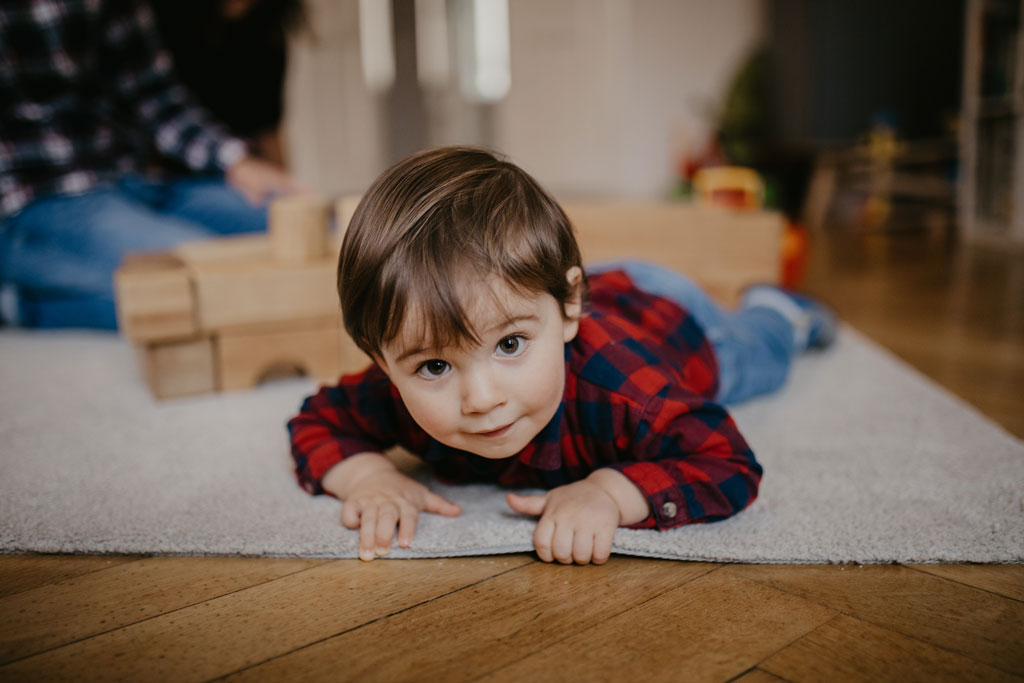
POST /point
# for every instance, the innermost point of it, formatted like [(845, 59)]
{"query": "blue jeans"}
[(753, 346), (59, 253)]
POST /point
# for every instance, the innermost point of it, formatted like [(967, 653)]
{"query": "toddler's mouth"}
[(496, 432)]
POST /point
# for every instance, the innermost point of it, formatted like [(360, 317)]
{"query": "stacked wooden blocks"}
[(724, 250), (224, 314)]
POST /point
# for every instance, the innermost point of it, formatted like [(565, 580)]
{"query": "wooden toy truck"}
[(225, 314)]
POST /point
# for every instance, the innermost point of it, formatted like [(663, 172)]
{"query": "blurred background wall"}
[(849, 109), (604, 94)]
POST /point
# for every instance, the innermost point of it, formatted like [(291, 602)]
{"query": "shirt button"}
[(669, 509)]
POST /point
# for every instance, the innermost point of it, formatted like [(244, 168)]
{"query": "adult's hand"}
[(260, 181)]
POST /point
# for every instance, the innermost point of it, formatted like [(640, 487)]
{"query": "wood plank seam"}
[(741, 675), (912, 636), (757, 667), (761, 664), (961, 583), (899, 634), (69, 578), (313, 643), (572, 634), (152, 616)]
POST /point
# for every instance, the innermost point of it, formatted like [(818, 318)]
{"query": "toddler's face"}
[(490, 399)]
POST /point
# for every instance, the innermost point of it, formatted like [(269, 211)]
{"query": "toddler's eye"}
[(510, 346), (432, 369)]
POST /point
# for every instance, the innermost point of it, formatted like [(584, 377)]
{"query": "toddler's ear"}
[(572, 310)]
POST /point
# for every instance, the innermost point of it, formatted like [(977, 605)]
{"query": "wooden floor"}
[(956, 314)]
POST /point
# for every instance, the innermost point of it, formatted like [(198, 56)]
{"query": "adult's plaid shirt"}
[(85, 89)]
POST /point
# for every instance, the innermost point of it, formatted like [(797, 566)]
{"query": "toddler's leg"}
[(814, 326), (754, 346), (784, 324)]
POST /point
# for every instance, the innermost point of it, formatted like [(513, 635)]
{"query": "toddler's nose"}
[(481, 393)]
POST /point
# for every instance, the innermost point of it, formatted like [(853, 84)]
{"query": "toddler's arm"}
[(361, 414), (578, 520), (689, 461), (377, 498)]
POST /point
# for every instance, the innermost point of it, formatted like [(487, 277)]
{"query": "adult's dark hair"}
[(232, 56), (438, 221)]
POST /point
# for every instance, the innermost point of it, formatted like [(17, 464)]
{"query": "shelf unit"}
[(992, 125)]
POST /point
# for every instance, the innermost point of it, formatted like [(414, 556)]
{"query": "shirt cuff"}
[(231, 152), (668, 503)]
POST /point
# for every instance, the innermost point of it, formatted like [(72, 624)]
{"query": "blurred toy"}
[(742, 188), (732, 186), (223, 314)]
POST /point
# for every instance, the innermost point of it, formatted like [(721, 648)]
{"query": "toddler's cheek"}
[(428, 416), (548, 388)]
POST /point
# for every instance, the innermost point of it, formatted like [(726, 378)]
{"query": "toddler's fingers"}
[(542, 539), (603, 546), (527, 505), (561, 543), (387, 520), (350, 514), (582, 547), (407, 525), (368, 533), (441, 506)]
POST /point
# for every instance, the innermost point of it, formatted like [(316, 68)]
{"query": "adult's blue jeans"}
[(59, 253), (753, 345)]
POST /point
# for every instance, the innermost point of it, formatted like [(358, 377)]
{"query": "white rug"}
[(865, 461)]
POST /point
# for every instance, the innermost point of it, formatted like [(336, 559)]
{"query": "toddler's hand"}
[(377, 498), (577, 522)]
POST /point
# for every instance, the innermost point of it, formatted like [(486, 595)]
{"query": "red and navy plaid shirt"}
[(640, 377), (85, 88)]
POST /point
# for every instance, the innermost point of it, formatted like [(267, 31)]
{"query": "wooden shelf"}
[(991, 191)]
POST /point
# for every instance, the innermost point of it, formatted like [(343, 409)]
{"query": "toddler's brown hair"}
[(436, 221)]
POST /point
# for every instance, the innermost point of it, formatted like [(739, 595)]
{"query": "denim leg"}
[(753, 346), (207, 201), (754, 353), (60, 254)]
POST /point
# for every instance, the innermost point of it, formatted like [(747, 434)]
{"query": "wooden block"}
[(154, 298), (180, 368), (344, 209), (298, 228), (232, 249), (316, 349), (722, 249), (257, 292), (352, 357)]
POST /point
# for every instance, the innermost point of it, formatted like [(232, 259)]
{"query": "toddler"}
[(498, 359)]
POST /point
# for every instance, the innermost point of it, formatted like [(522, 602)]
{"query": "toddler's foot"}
[(814, 325)]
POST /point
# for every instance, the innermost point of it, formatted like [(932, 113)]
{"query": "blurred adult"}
[(232, 55), (86, 93)]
